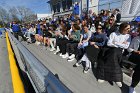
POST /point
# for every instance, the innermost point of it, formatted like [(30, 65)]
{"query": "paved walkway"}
[(74, 78), (5, 74)]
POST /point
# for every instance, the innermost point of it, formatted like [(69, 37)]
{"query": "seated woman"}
[(70, 45), (134, 49), (30, 33), (85, 36), (61, 37), (74, 38), (48, 37), (108, 67), (97, 40)]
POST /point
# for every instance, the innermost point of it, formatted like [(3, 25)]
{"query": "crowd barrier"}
[(43, 80)]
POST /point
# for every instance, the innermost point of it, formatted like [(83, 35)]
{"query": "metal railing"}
[(41, 78)]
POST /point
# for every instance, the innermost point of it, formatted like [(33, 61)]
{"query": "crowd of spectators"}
[(94, 39)]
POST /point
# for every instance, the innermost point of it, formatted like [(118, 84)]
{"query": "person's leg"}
[(73, 48), (51, 44), (57, 46), (135, 78), (16, 35), (36, 37), (63, 46), (68, 45), (83, 59), (88, 65), (135, 81), (28, 35), (41, 39), (54, 42), (45, 40)]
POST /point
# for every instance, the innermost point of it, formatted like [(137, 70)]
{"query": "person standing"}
[(108, 67), (118, 15), (16, 29), (76, 10), (134, 49)]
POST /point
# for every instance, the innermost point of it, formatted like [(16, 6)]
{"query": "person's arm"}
[(111, 40), (131, 47), (81, 38), (89, 36), (102, 41), (125, 44)]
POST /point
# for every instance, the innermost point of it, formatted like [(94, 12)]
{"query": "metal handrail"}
[(41, 78)]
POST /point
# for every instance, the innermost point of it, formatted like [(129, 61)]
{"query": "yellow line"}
[(17, 83)]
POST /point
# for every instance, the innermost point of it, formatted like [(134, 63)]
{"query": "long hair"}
[(123, 26)]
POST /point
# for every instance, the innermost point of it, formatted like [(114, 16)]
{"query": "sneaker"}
[(60, 55), (72, 56), (76, 65), (52, 49), (119, 84), (38, 43), (28, 40), (56, 52), (65, 55), (86, 70), (100, 80), (69, 60), (132, 90)]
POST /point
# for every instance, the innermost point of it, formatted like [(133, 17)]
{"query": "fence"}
[(107, 5), (41, 78)]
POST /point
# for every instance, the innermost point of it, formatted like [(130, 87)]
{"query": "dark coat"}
[(108, 67)]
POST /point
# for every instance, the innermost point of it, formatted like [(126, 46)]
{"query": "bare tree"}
[(20, 13), (4, 16), (26, 14), (14, 14)]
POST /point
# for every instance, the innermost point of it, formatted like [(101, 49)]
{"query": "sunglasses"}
[(99, 28)]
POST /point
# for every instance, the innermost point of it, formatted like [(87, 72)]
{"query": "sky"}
[(40, 6), (114, 4)]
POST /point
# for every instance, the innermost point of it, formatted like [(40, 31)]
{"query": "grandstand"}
[(130, 9), (62, 7)]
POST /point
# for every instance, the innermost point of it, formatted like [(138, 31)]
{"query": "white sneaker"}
[(65, 56), (60, 55), (69, 60), (29, 40), (77, 64), (132, 90), (72, 56), (86, 70), (38, 43), (57, 51), (101, 81), (119, 84), (52, 49)]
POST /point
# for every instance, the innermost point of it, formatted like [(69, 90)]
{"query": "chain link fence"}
[(107, 5)]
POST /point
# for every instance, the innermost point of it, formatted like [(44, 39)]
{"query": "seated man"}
[(134, 49)]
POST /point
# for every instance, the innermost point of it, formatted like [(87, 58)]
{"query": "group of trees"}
[(20, 14)]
